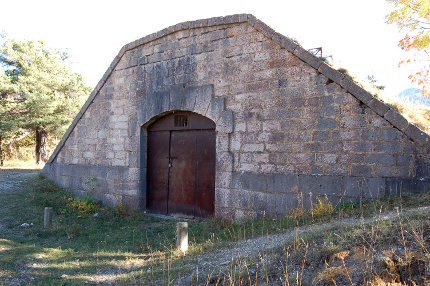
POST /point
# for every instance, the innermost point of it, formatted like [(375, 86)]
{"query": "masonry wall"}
[(285, 132)]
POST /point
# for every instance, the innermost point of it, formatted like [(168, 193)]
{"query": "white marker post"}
[(182, 236)]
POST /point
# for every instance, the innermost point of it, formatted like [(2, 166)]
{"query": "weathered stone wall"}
[(287, 130)]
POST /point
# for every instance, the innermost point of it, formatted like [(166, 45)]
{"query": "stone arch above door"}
[(198, 99)]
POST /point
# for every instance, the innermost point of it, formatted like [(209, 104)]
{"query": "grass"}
[(20, 165), (414, 113), (89, 243)]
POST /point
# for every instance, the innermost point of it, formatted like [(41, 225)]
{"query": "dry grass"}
[(17, 164), (415, 113)]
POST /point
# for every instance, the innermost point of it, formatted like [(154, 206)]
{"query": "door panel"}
[(157, 172), (205, 175), (186, 142), (183, 172)]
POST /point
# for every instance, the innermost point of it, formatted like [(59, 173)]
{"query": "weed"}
[(332, 274), (323, 207), (345, 206), (122, 210), (84, 205), (73, 231)]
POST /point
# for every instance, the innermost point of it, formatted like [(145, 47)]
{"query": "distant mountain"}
[(414, 96)]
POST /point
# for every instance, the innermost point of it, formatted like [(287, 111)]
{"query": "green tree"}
[(413, 17), (39, 86), (9, 111)]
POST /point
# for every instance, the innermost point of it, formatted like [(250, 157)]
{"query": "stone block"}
[(326, 158), (216, 107), (224, 198), (417, 135), (224, 162), (223, 179), (222, 143), (287, 43), (378, 106), (225, 213), (326, 123), (189, 98), (391, 134), (320, 185), (388, 147), (355, 121), (271, 125), (400, 186), (370, 134), (281, 183), (357, 146), (204, 95), (396, 119), (321, 136), (364, 187), (380, 159), (264, 29), (225, 122), (307, 57), (235, 180), (253, 147), (331, 73), (253, 181), (346, 135), (301, 158), (176, 94), (377, 121), (386, 171), (356, 90), (239, 126), (242, 199), (361, 170), (157, 103)]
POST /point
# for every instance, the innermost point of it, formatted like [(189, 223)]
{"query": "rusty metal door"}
[(157, 173), (181, 165)]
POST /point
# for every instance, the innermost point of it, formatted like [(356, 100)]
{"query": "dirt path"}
[(217, 262), (12, 179)]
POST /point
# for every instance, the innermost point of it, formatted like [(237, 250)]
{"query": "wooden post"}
[(47, 217), (182, 236)]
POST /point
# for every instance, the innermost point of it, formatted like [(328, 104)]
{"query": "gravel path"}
[(10, 180), (218, 261)]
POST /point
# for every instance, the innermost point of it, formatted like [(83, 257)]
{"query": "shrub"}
[(322, 207), (84, 205)]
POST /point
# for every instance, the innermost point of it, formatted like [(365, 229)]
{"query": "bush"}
[(322, 207), (84, 205)]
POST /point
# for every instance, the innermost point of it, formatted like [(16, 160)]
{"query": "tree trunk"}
[(9, 146), (1, 153), (41, 139)]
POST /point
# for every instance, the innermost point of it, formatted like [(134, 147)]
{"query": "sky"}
[(353, 32)]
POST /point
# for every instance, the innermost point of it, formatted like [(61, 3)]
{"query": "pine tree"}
[(40, 88)]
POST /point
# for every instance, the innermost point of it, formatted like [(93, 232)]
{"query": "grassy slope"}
[(134, 248)]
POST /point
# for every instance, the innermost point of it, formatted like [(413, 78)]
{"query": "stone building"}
[(226, 117)]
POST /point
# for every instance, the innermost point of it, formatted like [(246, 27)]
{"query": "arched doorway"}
[(181, 165)]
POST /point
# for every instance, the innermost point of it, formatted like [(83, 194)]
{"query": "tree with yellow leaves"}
[(413, 16)]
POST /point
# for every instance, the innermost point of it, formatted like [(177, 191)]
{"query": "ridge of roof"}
[(378, 106)]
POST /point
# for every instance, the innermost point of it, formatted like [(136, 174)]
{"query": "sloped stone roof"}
[(381, 108)]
